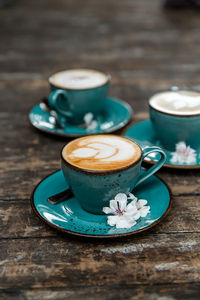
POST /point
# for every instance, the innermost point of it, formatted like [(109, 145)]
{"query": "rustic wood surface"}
[(145, 48)]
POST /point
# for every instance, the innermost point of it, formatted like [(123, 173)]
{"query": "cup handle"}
[(53, 102), (156, 167)]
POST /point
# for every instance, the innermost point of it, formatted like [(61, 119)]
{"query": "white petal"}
[(132, 222), (184, 154), (122, 204), (180, 146), (137, 215), (120, 196), (107, 210), (124, 223), (92, 125), (174, 158), (132, 197), (131, 208), (113, 205), (192, 151), (191, 159), (144, 211), (88, 118), (142, 202), (132, 215), (132, 203), (112, 220)]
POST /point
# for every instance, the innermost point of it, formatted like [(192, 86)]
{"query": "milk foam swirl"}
[(78, 79), (101, 152), (180, 102)]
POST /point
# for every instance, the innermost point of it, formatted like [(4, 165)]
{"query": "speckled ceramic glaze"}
[(69, 217), (144, 134), (73, 104), (172, 129), (115, 115), (99, 187)]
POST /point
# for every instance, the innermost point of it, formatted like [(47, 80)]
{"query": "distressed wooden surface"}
[(146, 49)]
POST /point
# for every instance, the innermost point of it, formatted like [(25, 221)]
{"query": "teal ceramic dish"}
[(144, 134), (73, 104), (69, 217), (105, 185), (115, 115), (171, 129)]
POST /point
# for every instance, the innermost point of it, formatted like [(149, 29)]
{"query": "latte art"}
[(180, 102), (78, 79), (101, 152)]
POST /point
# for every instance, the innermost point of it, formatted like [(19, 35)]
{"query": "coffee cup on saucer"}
[(98, 167), (175, 116), (76, 92)]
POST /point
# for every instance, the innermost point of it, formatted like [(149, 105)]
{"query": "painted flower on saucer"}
[(184, 154), (90, 123), (123, 214)]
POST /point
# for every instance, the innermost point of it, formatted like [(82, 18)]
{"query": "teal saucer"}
[(143, 133), (69, 217), (115, 115)]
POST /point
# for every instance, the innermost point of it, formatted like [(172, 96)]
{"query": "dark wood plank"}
[(167, 292), (18, 220), (27, 156), (64, 262), (18, 179), (146, 49)]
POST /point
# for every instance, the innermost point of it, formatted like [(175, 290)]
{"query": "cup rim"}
[(76, 89), (174, 114), (102, 172)]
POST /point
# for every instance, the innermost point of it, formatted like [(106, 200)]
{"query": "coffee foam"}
[(78, 79), (179, 103), (101, 152)]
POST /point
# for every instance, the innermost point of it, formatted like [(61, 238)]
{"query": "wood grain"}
[(168, 291), (65, 262), (18, 219), (146, 49)]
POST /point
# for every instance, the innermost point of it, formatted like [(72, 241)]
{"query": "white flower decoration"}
[(142, 208), (183, 154), (90, 123), (151, 156), (125, 215), (132, 197)]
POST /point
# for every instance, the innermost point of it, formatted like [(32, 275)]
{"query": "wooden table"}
[(145, 48)]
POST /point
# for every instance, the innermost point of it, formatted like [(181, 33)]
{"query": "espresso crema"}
[(78, 79), (101, 152), (177, 103)]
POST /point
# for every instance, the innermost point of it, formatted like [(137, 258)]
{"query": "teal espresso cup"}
[(95, 188), (76, 92), (175, 117)]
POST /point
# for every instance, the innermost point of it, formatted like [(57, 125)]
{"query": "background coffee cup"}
[(94, 189), (172, 128), (72, 104)]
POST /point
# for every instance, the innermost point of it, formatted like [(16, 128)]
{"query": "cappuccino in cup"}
[(98, 167), (177, 102), (175, 117), (76, 92), (101, 152), (78, 79)]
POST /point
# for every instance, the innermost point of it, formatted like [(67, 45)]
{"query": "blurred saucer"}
[(69, 217), (115, 115), (144, 134)]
